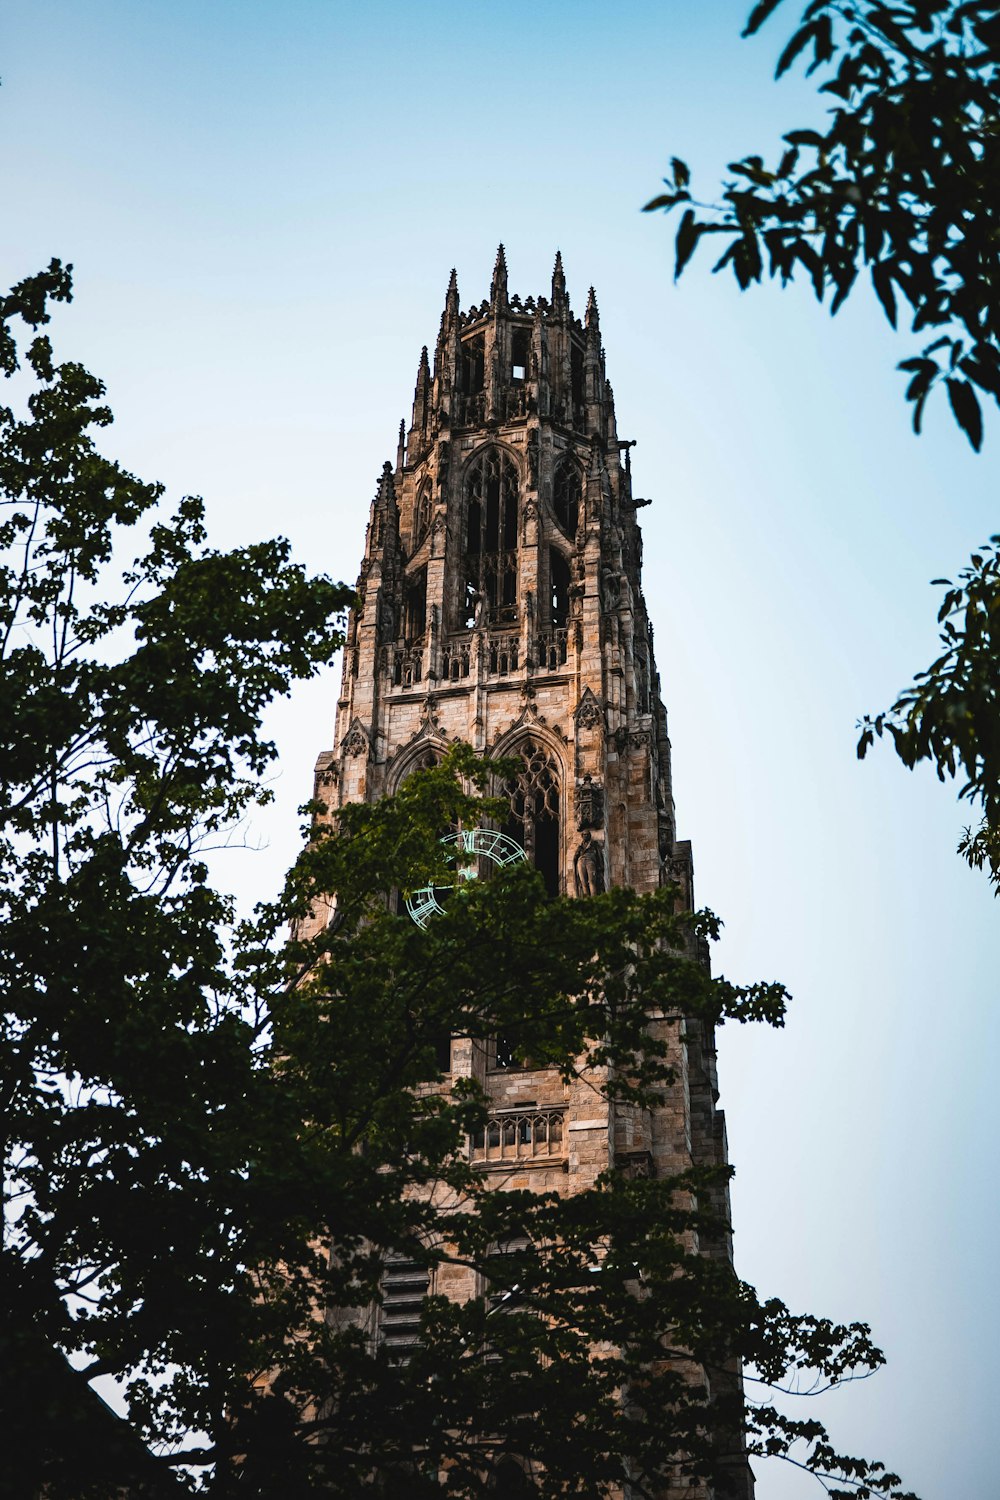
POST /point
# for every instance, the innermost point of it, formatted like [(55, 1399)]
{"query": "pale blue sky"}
[(263, 204)]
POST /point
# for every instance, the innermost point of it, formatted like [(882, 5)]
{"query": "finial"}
[(401, 446), (423, 373), (451, 296), (592, 317), (558, 281), (498, 286)]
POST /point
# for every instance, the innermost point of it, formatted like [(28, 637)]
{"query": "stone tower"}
[(501, 604)]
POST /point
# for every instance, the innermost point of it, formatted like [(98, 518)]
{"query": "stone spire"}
[(421, 393), (401, 446), (559, 298), (592, 317), (451, 303), (383, 527), (498, 286)]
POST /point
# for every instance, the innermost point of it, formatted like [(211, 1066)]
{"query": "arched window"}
[(473, 364), (509, 1480), (491, 540), (566, 496), (415, 606), (421, 516), (534, 810), (559, 589)]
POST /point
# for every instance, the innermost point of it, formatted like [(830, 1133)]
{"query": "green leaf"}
[(687, 239), (759, 15), (882, 282), (664, 200), (968, 414), (799, 40)]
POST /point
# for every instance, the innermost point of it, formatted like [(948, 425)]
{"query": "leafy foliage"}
[(216, 1137), (951, 714), (900, 183)]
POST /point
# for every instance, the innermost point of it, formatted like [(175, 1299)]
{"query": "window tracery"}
[(567, 493), (421, 516), (491, 540), (534, 820)]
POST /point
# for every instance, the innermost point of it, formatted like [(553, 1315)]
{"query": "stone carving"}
[(356, 742), (589, 803), (610, 590), (429, 713), (588, 711), (588, 866), (385, 620), (533, 459)]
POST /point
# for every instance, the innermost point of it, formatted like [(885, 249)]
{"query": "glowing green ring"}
[(422, 904)]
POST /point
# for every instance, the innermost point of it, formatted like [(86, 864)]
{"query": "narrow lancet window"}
[(534, 811), (415, 606), (566, 493), (559, 589), (491, 541)]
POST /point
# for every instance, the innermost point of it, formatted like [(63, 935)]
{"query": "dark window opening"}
[(566, 494), (422, 517), (442, 1054), (474, 365), (503, 1057), (576, 373), (415, 606), (509, 1481), (519, 353), (559, 581), (491, 541), (534, 812)]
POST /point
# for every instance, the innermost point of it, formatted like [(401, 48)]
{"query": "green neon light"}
[(422, 904)]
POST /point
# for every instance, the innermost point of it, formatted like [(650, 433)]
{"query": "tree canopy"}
[(898, 184), (216, 1138)]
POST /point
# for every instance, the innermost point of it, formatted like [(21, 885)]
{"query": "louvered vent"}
[(404, 1286)]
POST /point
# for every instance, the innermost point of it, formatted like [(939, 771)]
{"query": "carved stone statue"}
[(590, 803), (533, 459), (588, 867)]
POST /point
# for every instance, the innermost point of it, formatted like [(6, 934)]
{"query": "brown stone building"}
[(501, 604)]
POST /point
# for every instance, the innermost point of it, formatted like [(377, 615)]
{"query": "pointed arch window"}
[(534, 820), (421, 516), (566, 496), (558, 589), (491, 540)]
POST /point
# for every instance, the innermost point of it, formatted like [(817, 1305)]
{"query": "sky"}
[(262, 204)]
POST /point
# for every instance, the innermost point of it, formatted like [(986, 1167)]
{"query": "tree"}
[(132, 696), (216, 1138), (900, 184)]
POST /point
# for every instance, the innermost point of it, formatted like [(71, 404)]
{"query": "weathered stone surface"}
[(501, 604)]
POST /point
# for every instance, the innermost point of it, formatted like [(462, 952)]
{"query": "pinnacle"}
[(501, 260), (558, 279)]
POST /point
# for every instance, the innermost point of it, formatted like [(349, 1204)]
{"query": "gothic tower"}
[(500, 603)]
